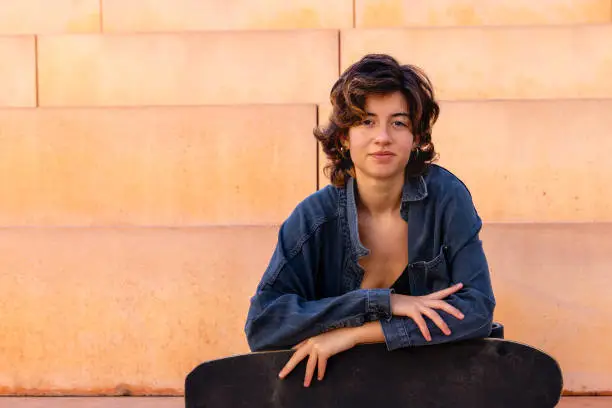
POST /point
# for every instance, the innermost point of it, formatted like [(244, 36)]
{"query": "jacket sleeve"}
[(285, 310), (466, 263)]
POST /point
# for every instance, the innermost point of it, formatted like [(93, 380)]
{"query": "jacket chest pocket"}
[(433, 275)]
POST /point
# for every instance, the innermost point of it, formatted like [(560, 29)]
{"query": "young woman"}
[(390, 251)]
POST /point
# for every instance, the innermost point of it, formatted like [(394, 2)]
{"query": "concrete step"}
[(68, 16), (183, 68), (178, 402), (42, 16), (551, 167), (92, 402), (93, 16), (403, 13), (155, 166), (18, 79), (133, 310), (123, 310), (89, 166), (498, 62), (229, 67), (197, 15)]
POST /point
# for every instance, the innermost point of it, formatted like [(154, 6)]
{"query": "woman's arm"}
[(285, 309), (416, 308), (467, 264), (370, 332), (278, 320)]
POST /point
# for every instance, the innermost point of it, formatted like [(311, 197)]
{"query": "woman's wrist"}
[(370, 332)]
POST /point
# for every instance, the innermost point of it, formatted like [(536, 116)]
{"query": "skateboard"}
[(487, 372)]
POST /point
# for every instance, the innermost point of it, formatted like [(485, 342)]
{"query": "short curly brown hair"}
[(378, 74)]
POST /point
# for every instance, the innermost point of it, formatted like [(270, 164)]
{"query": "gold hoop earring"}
[(343, 150)]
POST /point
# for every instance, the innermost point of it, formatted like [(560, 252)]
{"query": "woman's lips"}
[(383, 156)]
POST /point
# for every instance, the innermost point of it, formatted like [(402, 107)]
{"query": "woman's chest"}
[(388, 253)]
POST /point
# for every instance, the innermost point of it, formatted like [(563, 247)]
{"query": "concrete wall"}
[(140, 140)]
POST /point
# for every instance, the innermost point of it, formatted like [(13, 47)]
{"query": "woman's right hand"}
[(416, 306)]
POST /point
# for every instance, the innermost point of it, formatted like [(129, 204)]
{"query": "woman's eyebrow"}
[(393, 115)]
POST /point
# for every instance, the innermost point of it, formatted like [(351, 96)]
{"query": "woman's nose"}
[(383, 136)]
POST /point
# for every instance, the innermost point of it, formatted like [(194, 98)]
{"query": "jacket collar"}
[(415, 189)]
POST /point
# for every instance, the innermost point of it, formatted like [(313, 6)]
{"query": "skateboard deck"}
[(489, 372)]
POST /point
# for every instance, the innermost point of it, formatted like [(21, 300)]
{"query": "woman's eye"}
[(367, 122), (400, 124)]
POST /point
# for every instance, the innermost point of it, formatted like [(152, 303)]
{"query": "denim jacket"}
[(312, 282)]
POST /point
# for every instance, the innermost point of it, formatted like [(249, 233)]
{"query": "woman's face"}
[(380, 146)]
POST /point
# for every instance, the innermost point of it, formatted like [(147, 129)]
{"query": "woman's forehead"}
[(395, 101)]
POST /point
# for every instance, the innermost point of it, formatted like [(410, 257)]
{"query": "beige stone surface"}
[(155, 166), (115, 311), (531, 161), (178, 402), (193, 15), (585, 402), (536, 62), (402, 13), (133, 310), (92, 402), (551, 283), (528, 161), (44, 16), (17, 71), (220, 67)]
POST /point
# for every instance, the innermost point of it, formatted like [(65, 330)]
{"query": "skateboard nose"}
[(497, 331)]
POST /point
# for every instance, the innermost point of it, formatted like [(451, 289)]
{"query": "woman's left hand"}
[(319, 349)]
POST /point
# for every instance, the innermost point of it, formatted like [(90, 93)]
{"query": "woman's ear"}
[(344, 141)]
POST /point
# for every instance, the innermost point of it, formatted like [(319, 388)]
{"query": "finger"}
[(420, 322), (441, 294), (435, 317), (300, 344), (322, 366), (293, 361), (310, 368), (448, 308)]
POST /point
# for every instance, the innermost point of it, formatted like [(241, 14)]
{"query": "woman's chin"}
[(380, 173)]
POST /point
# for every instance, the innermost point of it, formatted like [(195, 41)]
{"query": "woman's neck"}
[(379, 197)]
